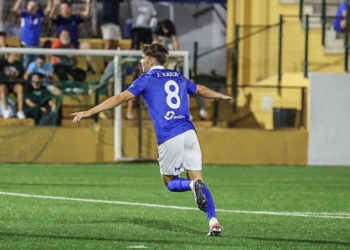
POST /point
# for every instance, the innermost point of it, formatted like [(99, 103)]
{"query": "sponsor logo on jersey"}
[(171, 115)]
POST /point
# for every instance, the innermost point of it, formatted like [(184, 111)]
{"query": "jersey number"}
[(172, 94)]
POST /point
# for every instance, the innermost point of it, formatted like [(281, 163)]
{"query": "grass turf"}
[(34, 223)]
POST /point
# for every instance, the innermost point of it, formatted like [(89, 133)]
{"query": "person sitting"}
[(343, 13), (11, 76), (39, 102), (165, 33), (42, 67), (127, 65), (3, 38), (65, 65)]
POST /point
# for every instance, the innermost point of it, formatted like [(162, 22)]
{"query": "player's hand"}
[(79, 115), (225, 97)]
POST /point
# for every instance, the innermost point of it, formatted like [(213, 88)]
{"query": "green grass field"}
[(311, 205)]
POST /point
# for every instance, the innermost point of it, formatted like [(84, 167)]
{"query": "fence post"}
[(346, 42), (195, 59), (216, 107), (280, 42), (323, 22), (302, 107), (97, 101), (306, 52), (301, 6), (235, 68)]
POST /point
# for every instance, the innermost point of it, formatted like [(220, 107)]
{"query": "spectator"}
[(343, 13), (11, 73), (66, 64), (108, 74), (110, 27), (68, 21), (46, 70), (144, 19), (31, 20), (39, 102), (3, 37), (166, 33), (1, 20)]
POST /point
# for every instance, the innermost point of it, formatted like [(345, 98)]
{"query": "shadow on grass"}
[(154, 224), (155, 241), (316, 242)]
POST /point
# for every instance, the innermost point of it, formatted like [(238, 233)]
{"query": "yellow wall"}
[(259, 54), (219, 146)]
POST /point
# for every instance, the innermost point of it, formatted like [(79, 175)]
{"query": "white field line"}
[(292, 214)]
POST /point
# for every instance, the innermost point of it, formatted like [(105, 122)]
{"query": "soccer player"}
[(165, 93)]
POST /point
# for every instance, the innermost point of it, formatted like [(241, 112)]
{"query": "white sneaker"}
[(215, 230), (20, 114), (6, 113), (203, 114)]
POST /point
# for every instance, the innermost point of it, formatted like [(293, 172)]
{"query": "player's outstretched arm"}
[(111, 102), (211, 94)]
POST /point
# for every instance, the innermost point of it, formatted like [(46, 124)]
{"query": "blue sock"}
[(179, 185), (210, 212)]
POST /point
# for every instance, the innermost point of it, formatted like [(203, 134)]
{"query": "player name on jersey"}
[(168, 74)]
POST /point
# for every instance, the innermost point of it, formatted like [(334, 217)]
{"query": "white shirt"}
[(142, 12)]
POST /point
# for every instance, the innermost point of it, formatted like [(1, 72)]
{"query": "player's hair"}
[(167, 24), (156, 50)]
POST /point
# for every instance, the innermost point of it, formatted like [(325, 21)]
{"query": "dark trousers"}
[(62, 71), (139, 35), (36, 113)]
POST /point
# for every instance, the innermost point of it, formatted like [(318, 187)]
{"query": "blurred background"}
[(285, 62)]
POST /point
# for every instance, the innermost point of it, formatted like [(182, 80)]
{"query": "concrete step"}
[(16, 122)]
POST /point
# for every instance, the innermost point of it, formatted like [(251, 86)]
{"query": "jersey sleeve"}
[(23, 14), (137, 87), (78, 18), (57, 21), (41, 13), (191, 87)]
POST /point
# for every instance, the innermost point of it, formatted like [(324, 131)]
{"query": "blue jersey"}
[(165, 93), (31, 28), (339, 16)]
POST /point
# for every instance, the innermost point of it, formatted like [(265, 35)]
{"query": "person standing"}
[(144, 20), (31, 21), (110, 25)]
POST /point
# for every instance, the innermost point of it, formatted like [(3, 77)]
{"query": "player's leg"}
[(105, 30), (87, 46), (6, 112), (193, 165), (170, 163)]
